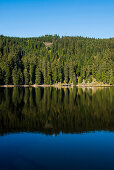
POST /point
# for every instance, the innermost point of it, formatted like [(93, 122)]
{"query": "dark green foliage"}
[(26, 76), (51, 59), (111, 80), (1, 76), (8, 77), (66, 74), (15, 76), (38, 78), (74, 80)]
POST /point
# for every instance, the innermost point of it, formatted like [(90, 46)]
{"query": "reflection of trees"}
[(51, 110)]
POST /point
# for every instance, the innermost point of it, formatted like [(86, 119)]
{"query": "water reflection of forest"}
[(50, 110)]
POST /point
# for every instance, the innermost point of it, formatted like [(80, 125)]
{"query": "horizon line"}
[(54, 35)]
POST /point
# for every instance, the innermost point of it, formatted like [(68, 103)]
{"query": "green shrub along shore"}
[(50, 60)]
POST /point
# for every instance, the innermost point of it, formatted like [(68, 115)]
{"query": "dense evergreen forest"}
[(52, 59)]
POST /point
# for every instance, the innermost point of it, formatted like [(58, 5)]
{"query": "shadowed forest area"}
[(51, 110), (53, 59)]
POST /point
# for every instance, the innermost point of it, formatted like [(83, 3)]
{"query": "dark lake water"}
[(57, 129)]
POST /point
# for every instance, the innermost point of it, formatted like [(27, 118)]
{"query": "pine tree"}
[(74, 79), (31, 72), (45, 71), (15, 76), (60, 75), (71, 71), (111, 81), (54, 74), (1, 76), (26, 76), (8, 77), (21, 79), (66, 74), (38, 76), (49, 76)]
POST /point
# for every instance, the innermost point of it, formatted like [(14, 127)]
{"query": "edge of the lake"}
[(61, 85)]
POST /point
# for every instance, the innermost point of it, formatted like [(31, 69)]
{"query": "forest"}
[(54, 59)]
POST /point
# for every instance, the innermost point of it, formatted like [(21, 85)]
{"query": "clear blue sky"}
[(29, 18)]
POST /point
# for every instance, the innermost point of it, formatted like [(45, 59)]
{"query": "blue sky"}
[(32, 18)]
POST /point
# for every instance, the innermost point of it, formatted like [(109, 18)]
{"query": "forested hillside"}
[(51, 59)]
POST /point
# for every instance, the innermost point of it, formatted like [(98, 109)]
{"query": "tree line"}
[(53, 59)]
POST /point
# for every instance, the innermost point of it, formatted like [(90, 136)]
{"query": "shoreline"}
[(60, 85)]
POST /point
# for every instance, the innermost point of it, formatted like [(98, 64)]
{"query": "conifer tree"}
[(15, 76), (26, 76), (38, 76)]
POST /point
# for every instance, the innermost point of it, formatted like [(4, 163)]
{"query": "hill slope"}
[(65, 60)]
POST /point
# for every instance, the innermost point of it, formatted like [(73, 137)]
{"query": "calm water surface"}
[(52, 129)]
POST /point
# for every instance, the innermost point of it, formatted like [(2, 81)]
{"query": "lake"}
[(57, 128)]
